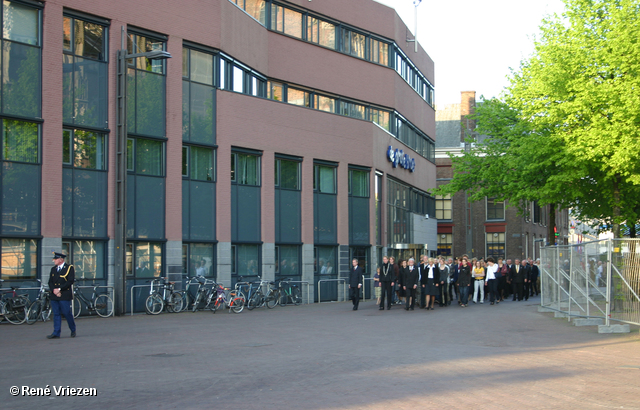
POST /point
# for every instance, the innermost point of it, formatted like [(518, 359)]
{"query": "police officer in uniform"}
[(61, 278)]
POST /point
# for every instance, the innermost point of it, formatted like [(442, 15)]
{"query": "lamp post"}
[(416, 3), (120, 263)]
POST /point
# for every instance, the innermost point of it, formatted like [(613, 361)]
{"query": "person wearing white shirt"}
[(492, 280)]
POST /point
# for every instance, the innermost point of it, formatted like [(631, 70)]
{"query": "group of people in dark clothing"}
[(437, 280)]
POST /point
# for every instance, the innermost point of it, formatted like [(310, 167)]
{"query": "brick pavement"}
[(327, 356)]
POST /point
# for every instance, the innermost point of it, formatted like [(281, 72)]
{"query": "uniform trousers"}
[(62, 307), (387, 291)]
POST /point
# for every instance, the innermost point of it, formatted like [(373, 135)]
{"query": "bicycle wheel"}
[(175, 300), (237, 304), (45, 313), (33, 313), (103, 305), (284, 298), (185, 300), (253, 301), (154, 304), (16, 316), (76, 306), (215, 305), (196, 302), (295, 296), (271, 299)]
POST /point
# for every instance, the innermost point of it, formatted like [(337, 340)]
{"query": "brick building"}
[(281, 139), (488, 227)]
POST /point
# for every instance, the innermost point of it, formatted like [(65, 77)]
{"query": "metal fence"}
[(599, 279)]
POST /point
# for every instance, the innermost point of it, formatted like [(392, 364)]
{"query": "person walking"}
[(445, 298), (503, 274), (535, 273), (433, 283), (387, 277), (61, 278), (478, 285), (409, 284), (422, 279), (376, 285), (464, 282), (355, 283)]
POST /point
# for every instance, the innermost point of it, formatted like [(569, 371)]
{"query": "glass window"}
[(495, 245), (19, 259), (321, 32), (246, 260), (275, 91), (354, 43), (536, 212), (286, 21), (20, 23), (140, 44), (445, 242), (298, 97), (358, 183), (352, 110), (148, 260), (223, 74), (325, 179), (325, 260), (287, 174), (148, 156), (288, 261), (87, 257), (238, 79), (88, 149), (256, 9), (20, 141), (201, 67), (245, 169), (198, 259), (201, 161), (495, 209), (89, 40), (443, 207), (378, 194)]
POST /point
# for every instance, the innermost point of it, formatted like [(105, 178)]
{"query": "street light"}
[(120, 263), (416, 3)]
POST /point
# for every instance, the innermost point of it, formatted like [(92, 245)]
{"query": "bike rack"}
[(131, 294), (344, 288)]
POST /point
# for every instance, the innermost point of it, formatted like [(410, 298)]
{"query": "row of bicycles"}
[(18, 308), (202, 294)]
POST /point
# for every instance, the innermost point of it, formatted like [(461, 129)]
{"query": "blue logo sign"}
[(397, 158)]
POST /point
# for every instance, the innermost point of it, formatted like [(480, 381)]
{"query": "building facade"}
[(281, 139), (489, 227)]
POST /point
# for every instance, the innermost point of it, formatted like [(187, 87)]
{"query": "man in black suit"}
[(387, 279), (410, 284), (355, 283), (423, 281), (518, 273), (61, 278), (527, 275)]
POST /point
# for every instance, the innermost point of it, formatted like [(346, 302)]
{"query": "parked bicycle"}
[(203, 294), (255, 296), (40, 309), (233, 299), (13, 307), (101, 303), (162, 296), (288, 293)]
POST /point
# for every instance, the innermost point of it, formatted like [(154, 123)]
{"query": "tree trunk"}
[(551, 234), (616, 207), (632, 231)]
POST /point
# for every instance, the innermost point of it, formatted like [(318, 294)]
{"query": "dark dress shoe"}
[(73, 334), (52, 336), (411, 308), (406, 308), (355, 308), (388, 307)]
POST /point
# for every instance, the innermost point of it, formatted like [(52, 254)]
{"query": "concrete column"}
[(306, 266), (173, 260), (268, 261), (224, 263)]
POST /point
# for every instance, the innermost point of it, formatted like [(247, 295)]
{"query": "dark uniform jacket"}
[(390, 273), (63, 280), (355, 276), (410, 278), (519, 273)]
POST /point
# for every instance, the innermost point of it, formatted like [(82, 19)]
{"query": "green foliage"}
[(566, 130)]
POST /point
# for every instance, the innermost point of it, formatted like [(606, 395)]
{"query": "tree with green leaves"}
[(566, 130)]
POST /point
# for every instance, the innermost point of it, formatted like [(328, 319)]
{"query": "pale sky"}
[(475, 43)]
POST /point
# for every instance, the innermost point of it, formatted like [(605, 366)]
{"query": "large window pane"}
[(202, 107), (325, 260), (149, 104), (327, 34), (292, 23), (297, 97), (359, 183), (256, 9), (20, 198), (201, 67), (19, 259), (275, 91), (87, 258), (327, 104), (201, 163), (238, 79), (21, 79), (198, 259), (89, 150), (149, 157), (326, 180), (148, 258), (247, 260), (288, 261), (149, 207), (140, 44), (85, 92), (289, 174), (246, 169), (20, 23), (88, 203), (19, 141), (495, 209), (89, 40)]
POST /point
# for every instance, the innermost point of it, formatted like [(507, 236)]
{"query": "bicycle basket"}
[(17, 302)]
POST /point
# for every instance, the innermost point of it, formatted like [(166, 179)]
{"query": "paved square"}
[(327, 356)]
